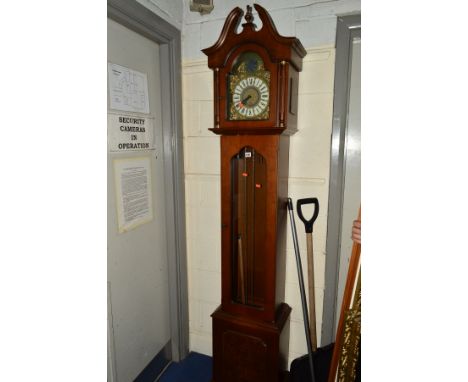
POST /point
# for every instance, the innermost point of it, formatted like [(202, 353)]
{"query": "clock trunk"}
[(254, 187)]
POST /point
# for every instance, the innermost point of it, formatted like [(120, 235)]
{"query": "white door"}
[(139, 321), (351, 171)]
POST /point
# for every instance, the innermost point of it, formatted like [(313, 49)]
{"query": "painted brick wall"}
[(314, 23)]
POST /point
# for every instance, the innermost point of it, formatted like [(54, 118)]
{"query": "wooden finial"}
[(249, 17)]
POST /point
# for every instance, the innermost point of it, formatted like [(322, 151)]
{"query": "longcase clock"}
[(255, 112)]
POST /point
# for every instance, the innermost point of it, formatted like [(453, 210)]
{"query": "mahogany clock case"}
[(251, 327)]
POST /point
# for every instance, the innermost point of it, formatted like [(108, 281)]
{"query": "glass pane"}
[(248, 221)]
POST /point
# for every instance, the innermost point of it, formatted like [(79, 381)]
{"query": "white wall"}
[(169, 10)]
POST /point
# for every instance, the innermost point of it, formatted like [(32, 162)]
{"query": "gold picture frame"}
[(348, 335)]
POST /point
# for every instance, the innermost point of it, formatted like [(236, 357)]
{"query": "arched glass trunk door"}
[(248, 179)]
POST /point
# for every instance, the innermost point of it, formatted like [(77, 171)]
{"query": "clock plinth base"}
[(250, 350)]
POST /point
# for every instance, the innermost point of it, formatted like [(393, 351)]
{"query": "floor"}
[(195, 368)]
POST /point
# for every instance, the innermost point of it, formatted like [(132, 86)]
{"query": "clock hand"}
[(246, 99)]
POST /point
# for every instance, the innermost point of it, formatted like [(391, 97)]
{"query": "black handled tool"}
[(309, 224), (309, 227), (302, 290)]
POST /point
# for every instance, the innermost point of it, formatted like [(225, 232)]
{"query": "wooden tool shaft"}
[(311, 282)]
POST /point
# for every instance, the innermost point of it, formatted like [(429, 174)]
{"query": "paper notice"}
[(128, 89), (133, 191), (129, 133)]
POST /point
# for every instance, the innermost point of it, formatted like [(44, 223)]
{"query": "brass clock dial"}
[(251, 97), (249, 89)]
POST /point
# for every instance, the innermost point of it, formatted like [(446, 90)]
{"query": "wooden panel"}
[(250, 350), (244, 357), (281, 218)]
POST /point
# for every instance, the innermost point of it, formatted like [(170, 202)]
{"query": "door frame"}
[(146, 23), (348, 28)]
